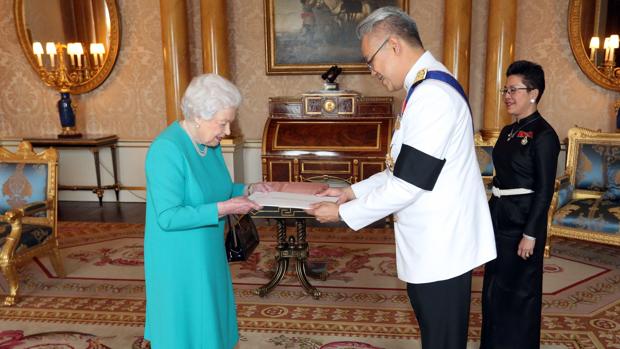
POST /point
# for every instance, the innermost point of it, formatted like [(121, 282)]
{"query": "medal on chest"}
[(397, 123)]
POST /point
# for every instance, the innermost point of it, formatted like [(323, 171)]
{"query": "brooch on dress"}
[(524, 136)]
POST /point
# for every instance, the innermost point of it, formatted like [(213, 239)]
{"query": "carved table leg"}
[(302, 254), (117, 185), (98, 190), (282, 261)]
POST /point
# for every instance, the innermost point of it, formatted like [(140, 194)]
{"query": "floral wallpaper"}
[(131, 102)]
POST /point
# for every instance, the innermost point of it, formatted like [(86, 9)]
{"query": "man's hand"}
[(343, 194), (324, 212)]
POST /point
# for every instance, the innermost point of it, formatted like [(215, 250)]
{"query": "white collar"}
[(426, 60)]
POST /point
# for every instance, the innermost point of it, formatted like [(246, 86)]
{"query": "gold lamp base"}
[(69, 132)]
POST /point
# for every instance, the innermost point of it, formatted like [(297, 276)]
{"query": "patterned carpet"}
[(101, 302)]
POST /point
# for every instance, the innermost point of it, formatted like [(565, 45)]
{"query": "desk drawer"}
[(320, 167)]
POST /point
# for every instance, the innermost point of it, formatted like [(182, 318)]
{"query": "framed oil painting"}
[(309, 36)]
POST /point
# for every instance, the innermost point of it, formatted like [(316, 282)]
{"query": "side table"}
[(291, 248), (93, 143)]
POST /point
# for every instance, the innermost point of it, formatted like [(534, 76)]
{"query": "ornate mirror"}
[(71, 44), (593, 29)]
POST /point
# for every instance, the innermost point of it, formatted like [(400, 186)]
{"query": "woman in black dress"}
[(525, 159)]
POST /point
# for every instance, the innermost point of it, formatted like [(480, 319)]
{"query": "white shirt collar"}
[(425, 61)]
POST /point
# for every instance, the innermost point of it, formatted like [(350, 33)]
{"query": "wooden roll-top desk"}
[(326, 136)]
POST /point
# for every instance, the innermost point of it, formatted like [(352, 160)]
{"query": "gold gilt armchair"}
[(28, 219), (586, 203), (484, 154)]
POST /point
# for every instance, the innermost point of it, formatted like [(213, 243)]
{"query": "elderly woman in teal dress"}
[(189, 295)]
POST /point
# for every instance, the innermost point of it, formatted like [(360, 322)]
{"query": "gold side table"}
[(92, 142)]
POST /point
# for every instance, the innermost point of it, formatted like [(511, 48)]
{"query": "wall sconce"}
[(70, 70), (608, 66)]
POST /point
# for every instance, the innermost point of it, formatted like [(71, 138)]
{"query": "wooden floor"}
[(127, 212)]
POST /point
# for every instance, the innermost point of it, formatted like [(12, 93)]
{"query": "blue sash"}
[(441, 76)]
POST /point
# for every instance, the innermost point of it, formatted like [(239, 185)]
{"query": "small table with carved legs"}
[(291, 247), (93, 143)]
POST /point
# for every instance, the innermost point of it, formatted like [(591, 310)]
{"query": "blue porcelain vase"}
[(65, 110)]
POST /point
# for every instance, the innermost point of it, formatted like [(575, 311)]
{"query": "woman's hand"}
[(236, 205), (260, 187), (526, 248), (343, 194)]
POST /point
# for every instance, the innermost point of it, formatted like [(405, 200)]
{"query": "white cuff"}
[(529, 237)]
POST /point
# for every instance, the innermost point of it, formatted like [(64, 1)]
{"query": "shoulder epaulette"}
[(420, 76)]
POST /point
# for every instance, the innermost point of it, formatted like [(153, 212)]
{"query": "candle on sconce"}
[(79, 52), (93, 51), (71, 52), (100, 51), (50, 49), (595, 43), (606, 47), (614, 43), (37, 49)]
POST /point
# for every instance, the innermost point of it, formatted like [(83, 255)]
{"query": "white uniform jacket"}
[(444, 231)]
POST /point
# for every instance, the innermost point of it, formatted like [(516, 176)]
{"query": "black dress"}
[(512, 287)]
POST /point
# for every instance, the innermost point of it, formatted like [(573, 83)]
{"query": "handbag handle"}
[(232, 227)]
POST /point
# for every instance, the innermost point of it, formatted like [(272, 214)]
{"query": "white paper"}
[(291, 200)]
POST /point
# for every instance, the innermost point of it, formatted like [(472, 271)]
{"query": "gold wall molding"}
[(175, 45), (456, 39)]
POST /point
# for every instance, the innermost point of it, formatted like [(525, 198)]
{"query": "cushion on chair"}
[(613, 179), (597, 215), (32, 235), (485, 159), (21, 184), (590, 174), (565, 193)]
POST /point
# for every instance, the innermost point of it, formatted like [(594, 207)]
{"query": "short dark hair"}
[(393, 20), (532, 73)]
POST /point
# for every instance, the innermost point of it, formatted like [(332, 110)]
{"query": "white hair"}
[(208, 94)]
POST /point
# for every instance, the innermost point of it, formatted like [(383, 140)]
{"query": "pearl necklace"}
[(514, 132), (200, 152)]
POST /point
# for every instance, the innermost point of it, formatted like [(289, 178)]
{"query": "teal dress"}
[(189, 295)]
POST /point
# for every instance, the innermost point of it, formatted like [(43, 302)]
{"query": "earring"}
[(532, 100)]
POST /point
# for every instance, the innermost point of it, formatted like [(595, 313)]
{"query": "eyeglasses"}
[(369, 62), (512, 90)]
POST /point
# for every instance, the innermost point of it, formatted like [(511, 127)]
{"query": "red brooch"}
[(528, 134)]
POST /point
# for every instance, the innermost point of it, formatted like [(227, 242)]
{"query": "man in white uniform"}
[(432, 183)]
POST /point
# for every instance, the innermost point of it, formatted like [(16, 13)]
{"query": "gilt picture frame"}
[(309, 36)]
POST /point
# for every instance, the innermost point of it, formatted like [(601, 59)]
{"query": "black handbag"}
[(241, 239)]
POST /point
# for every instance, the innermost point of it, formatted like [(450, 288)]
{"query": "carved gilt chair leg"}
[(56, 260), (10, 273), (547, 252)]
